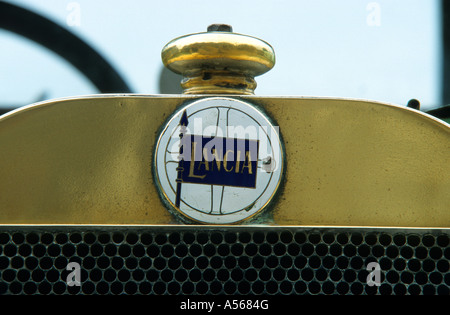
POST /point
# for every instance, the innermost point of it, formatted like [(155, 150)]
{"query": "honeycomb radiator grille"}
[(234, 260)]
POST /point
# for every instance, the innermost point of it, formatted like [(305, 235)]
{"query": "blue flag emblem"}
[(215, 160), (220, 161)]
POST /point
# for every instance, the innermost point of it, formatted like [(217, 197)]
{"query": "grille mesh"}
[(235, 260)]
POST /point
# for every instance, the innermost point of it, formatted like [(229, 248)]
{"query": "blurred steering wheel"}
[(64, 43)]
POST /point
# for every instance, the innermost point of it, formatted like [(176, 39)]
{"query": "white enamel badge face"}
[(219, 161)]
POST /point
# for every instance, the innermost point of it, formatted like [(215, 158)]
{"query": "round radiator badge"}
[(219, 161)]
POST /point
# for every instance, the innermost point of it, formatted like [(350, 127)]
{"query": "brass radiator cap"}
[(218, 61)]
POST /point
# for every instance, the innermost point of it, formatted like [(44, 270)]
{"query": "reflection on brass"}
[(218, 61), (348, 162)]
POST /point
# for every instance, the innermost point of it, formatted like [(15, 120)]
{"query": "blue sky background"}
[(384, 50)]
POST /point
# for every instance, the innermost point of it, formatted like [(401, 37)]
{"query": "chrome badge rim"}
[(220, 185)]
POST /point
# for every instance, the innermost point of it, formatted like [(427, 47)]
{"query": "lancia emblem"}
[(218, 161)]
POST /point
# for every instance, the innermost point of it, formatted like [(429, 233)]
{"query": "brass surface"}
[(218, 62), (348, 162)]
